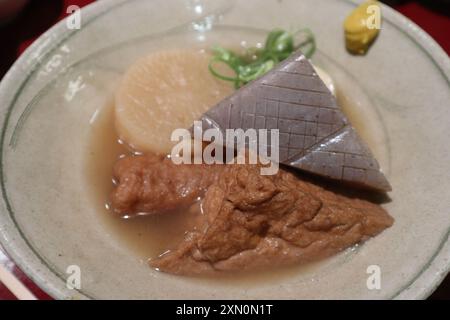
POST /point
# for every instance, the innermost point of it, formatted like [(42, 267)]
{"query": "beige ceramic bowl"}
[(48, 221)]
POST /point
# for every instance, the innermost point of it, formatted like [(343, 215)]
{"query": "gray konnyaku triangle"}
[(315, 135)]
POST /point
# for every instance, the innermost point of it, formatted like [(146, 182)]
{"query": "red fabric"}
[(37, 17), (5, 294), (50, 15), (435, 23), (40, 15)]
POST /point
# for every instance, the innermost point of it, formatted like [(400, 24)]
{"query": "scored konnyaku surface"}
[(315, 135)]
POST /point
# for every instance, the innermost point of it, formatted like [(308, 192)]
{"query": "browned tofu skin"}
[(255, 222), (154, 184), (248, 221)]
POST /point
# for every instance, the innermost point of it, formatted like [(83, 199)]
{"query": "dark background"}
[(39, 15)]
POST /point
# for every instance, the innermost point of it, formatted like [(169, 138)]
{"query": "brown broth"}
[(151, 235)]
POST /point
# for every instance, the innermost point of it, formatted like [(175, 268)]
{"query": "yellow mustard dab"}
[(362, 27)]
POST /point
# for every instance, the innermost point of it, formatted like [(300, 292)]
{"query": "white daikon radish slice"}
[(162, 92)]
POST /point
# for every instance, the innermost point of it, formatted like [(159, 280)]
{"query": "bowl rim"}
[(22, 253)]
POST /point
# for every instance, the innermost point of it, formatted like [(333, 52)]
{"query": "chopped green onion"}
[(258, 61)]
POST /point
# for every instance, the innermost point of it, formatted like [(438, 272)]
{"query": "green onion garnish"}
[(257, 61)]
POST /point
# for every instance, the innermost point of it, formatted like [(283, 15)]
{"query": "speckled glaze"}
[(51, 95)]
